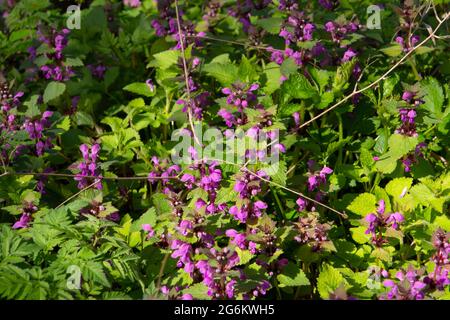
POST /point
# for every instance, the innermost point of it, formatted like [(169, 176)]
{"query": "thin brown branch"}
[(186, 76), (78, 193)]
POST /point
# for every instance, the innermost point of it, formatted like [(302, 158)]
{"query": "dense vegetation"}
[(353, 100)]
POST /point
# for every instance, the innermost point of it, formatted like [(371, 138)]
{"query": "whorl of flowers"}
[(88, 167), (312, 232), (297, 29), (35, 128), (55, 69), (380, 220)]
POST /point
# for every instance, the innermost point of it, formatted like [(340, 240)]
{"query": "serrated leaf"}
[(74, 62), (271, 25), (277, 172), (382, 254), (329, 280), (343, 74), (359, 234), (426, 197), (272, 72), (140, 88), (64, 124), (399, 145), (292, 276), (363, 204), (297, 86), (433, 97), (244, 256), (93, 270), (165, 59), (149, 217), (393, 51)]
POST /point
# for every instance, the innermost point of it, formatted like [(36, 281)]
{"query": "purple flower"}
[(409, 44), (288, 5), (185, 227), (395, 219), (248, 185), (236, 238), (240, 95), (348, 55), (301, 204), (380, 220), (97, 71), (132, 3), (229, 288), (182, 251), (187, 296), (339, 31), (188, 179), (227, 117), (410, 287)]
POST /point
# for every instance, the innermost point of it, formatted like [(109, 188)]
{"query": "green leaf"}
[(442, 222), (399, 145), (322, 77), (343, 74), (149, 217), (140, 88), (297, 86), (292, 276), (244, 256), (93, 270), (326, 99), (198, 291), (363, 204), (271, 25), (382, 254), (277, 171), (397, 186), (54, 90), (329, 280), (74, 62), (165, 59), (33, 107), (288, 67), (272, 72), (423, 49), (226, 74), (359, 234), (64, 124), (246, 70), (434, 97), (389, 85), (426, 197), (393, 51), (286, 110)]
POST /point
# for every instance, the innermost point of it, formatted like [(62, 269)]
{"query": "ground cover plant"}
[(224, 149)]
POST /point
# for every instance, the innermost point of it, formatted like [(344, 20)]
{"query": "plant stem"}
[(161, 270), (277, 199), (341, 138), (414, 69)]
